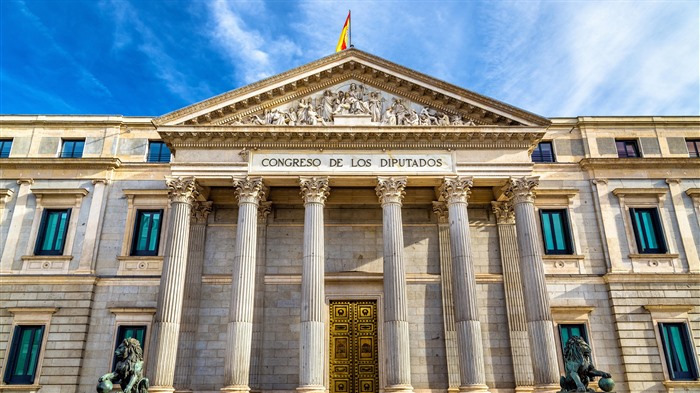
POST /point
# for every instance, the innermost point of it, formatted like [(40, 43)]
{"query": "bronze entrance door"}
[(353, 346)]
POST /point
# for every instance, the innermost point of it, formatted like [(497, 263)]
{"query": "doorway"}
[(353, 346)]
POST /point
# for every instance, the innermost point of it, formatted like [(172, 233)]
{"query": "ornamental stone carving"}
[(182, 189), (520, 190), (314, 189), (441, 211), (390, 189), (200, 212), (455, 189), (264, 209), (505, 214), (250, 190)]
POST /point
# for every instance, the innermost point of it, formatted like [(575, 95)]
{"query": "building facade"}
[(349, 226)]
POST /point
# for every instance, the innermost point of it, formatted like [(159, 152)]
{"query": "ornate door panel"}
[(353, 347)]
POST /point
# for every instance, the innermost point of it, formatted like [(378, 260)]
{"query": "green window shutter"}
[(647, 231), (678, 351), (555, 232), (147, 232), (52, 232), (24, 355)]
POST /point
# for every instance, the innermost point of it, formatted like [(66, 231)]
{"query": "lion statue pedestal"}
[(580, 370), (129, 370)]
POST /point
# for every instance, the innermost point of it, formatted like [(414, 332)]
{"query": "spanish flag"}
[(343, 40)]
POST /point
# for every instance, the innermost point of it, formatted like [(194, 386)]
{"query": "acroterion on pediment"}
[(351, 88)]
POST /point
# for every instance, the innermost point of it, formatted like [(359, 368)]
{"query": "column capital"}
[(455, 189), (182, 189), (250, 190), (441, 211), (27, 181), (520, 190), (314, 189), (264, 209), (505, 214), (390, 189), (99, 181), (200, 212)]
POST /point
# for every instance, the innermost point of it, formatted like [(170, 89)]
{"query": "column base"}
[(161, 389), (524, 389), (399, 389), (549, 388), (182, 391), (311, 389), (474, 388), (230, 388)]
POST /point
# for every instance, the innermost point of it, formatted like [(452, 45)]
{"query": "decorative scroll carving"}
[(505, 214), (264, 209), (250, 190), (390, 189), (455, 189), (200, 212), (357, 100), (441, 211), (314, 189), (520, 190), (182, 189)]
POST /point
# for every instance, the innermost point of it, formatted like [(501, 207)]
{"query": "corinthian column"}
[(539, 316), (193, 286), (166, 329), (312, 352), (390, 191), (515, 305), (455, 192), (249, 191)]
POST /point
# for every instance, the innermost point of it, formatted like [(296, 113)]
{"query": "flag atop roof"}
[(344, 40)]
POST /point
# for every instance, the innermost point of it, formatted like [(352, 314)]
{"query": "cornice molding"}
[(640, 163), (342, 66), (60, 163), (309, 137)]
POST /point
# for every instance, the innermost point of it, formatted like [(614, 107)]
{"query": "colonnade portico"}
[(453, 191)]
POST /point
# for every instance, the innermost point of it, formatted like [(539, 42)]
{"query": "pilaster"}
[(312, 349), (249, 192), (390, 191), (18, 212), (183, 191), (686, 234), (515, 303), (455, 192), (92, 228), (539, 316)]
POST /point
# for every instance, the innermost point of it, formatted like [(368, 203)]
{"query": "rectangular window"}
[(72, 148), (567, 330), (52, 232), (543, 152), (647, 231), (678, 351), (555, 232), (693, 147), (158, 152), (137, 332), (627, 149), (147, 232), (5, 147), (24, 355)]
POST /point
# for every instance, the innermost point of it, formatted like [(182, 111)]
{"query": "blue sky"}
[(150, 57)]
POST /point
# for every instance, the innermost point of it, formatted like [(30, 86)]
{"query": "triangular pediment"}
[(351, 88)]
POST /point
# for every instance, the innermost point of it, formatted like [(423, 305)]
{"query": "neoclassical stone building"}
[(352, 226)]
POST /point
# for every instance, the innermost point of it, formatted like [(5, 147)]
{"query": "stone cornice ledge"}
[(309, 137), (639, 163), (60, 163), (681, 386), (647, 278), (669, 307)]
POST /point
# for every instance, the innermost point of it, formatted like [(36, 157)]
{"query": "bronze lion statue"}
[(129, 370), (578, 367)]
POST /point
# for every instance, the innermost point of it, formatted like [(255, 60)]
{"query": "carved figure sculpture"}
[(578, 367), (129, 370)]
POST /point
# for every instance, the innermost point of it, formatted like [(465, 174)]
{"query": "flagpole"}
[(350, 28)]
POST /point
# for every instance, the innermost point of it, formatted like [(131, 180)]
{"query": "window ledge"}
[(655, 263), (681, 386), (46, 264), (653, 256), (19, 388), (140, 265), (564, 256), (563, 264)]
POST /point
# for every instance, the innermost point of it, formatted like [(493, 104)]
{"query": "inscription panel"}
[(351, 163)]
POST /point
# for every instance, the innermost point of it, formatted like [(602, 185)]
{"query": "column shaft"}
[(240, 327), (515, 305), (398, 357), (166, 329), (539, 317), (312, 349), (455, 191), (193, 286)]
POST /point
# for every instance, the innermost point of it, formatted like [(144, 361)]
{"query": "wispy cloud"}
[(253, 53), (24, 94), (85, 77)]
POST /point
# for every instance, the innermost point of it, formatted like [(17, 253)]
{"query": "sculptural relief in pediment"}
[(352, 103)]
